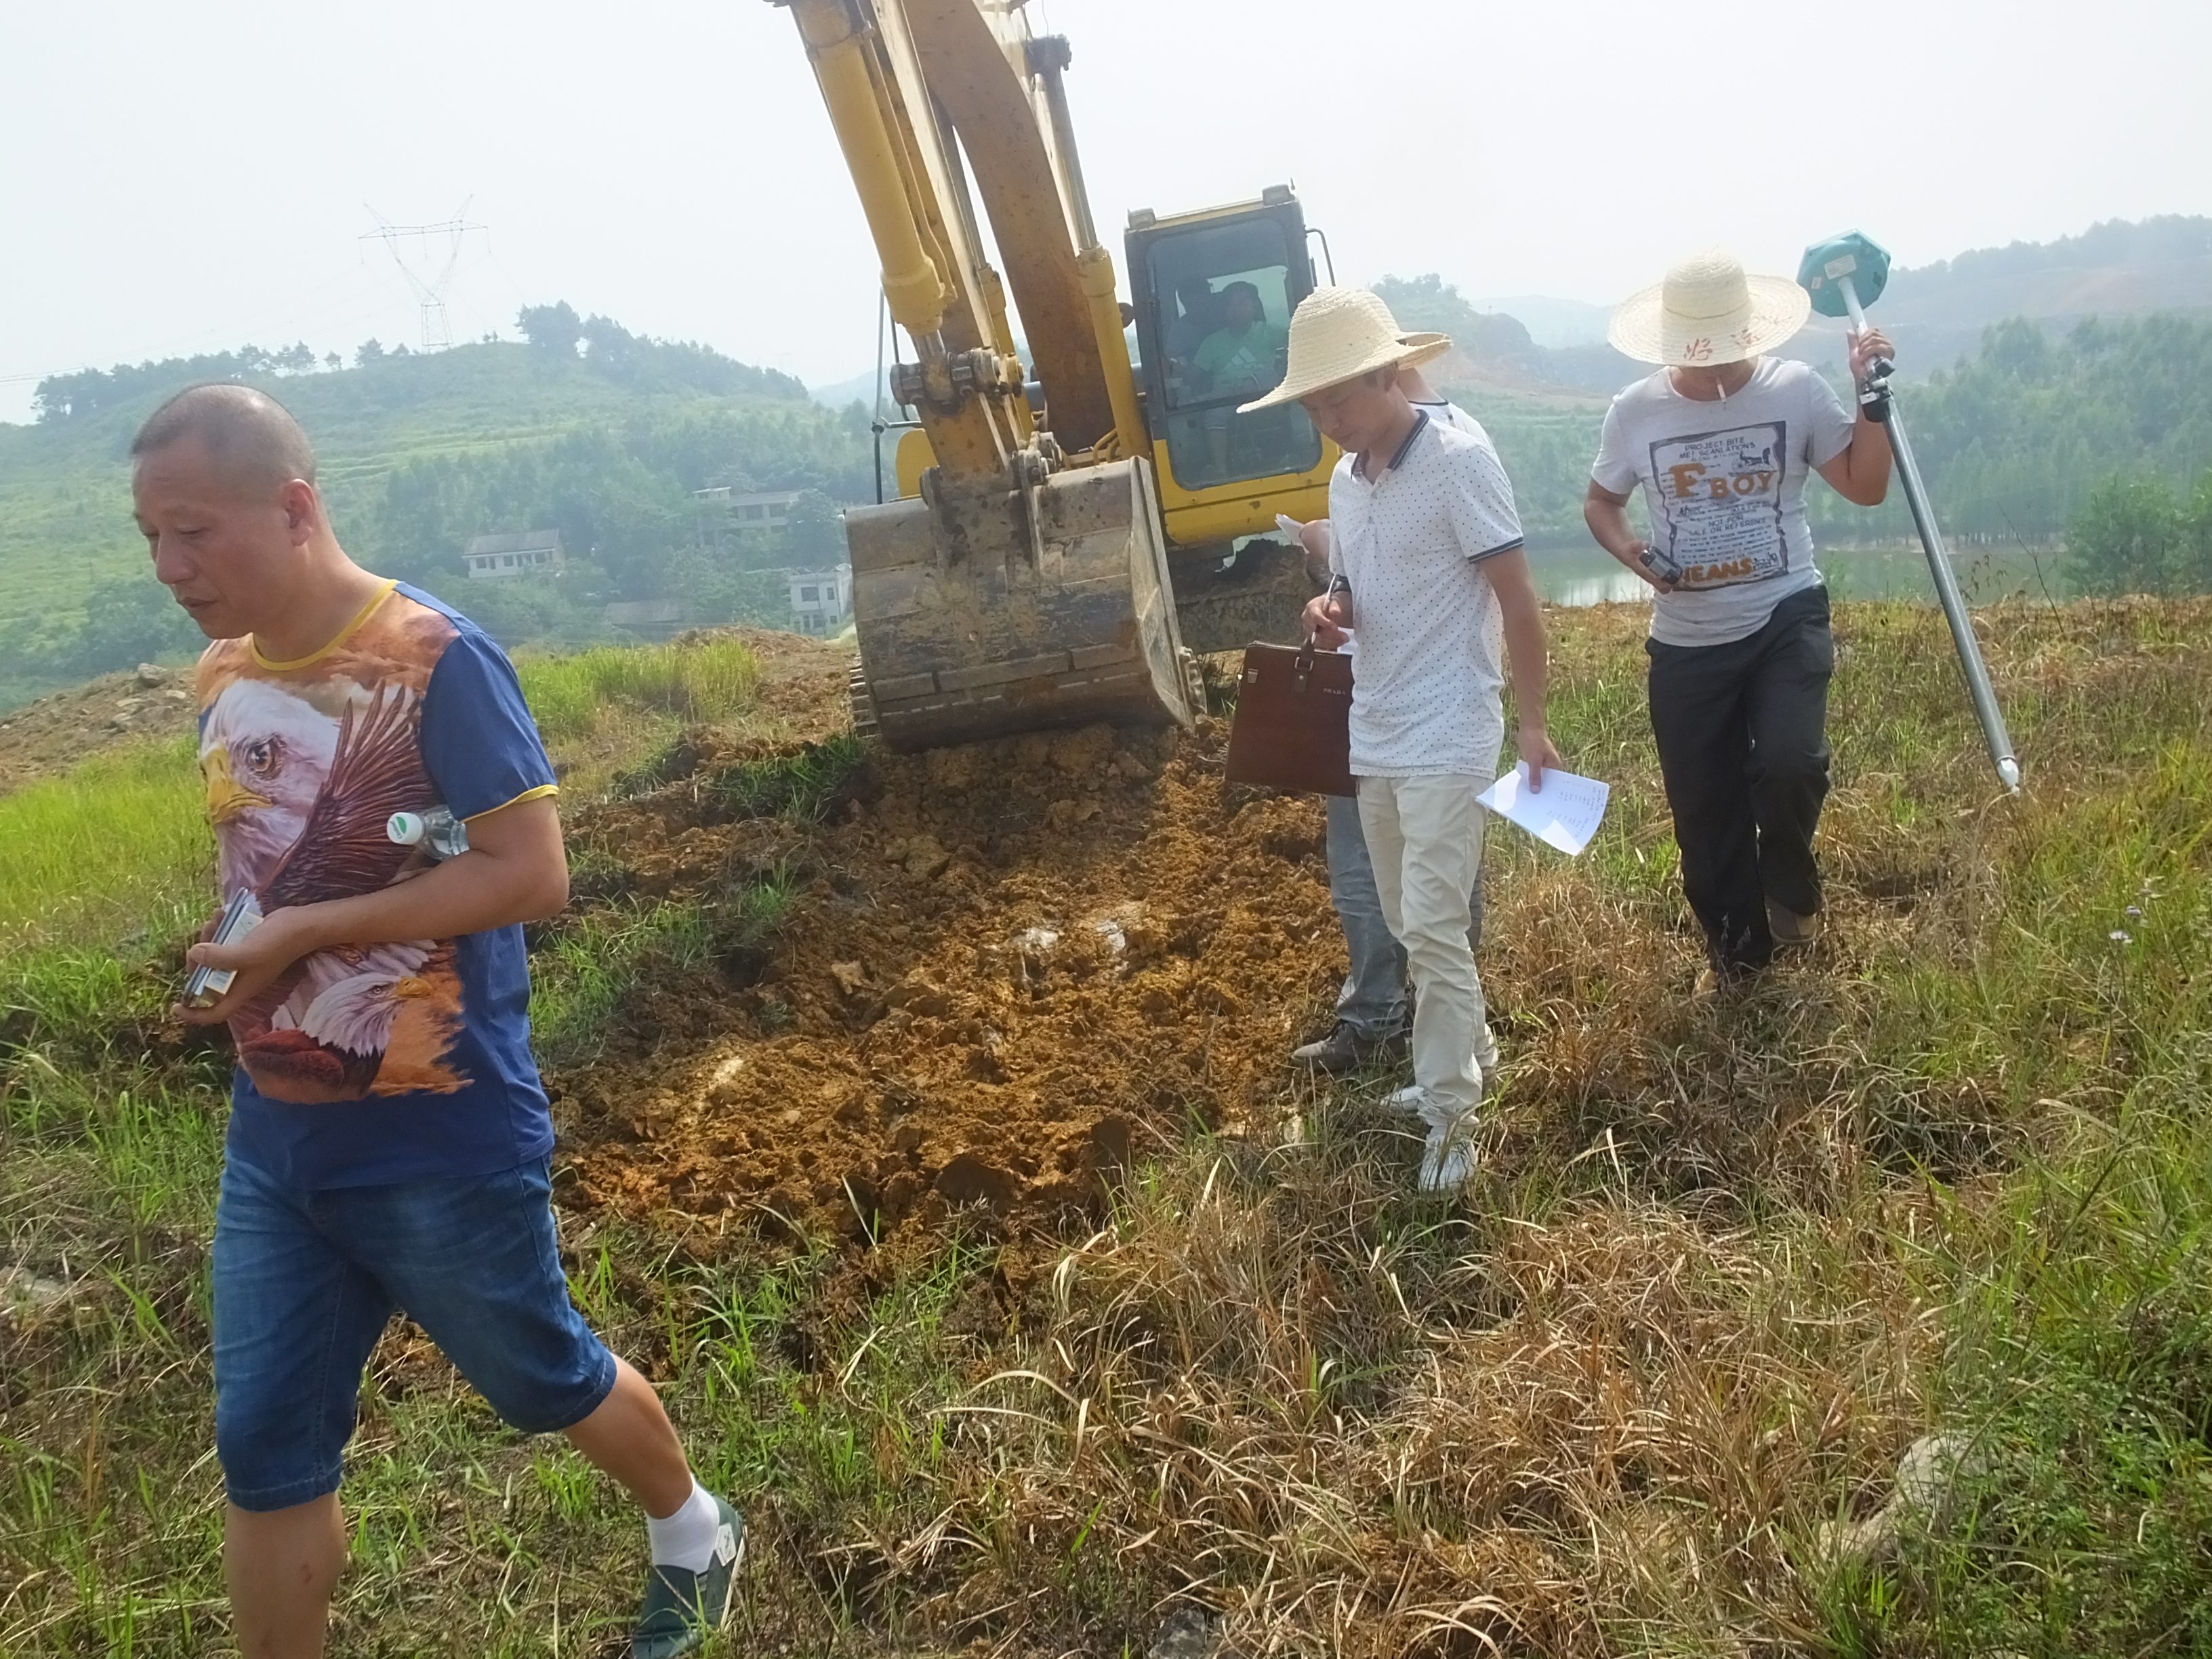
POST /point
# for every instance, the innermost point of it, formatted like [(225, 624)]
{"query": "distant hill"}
[(1492, 349), (418, 453), (1554, 322), (1548, 346), (860, 388), (1936, 312)]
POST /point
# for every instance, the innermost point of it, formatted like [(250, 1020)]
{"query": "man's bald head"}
[(250, 437)]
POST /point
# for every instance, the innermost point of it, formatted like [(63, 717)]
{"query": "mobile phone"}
[(205, 987)]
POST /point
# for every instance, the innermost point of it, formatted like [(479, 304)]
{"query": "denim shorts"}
[(305, 1283)]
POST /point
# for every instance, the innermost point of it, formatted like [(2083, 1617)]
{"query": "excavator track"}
[(863, 705)]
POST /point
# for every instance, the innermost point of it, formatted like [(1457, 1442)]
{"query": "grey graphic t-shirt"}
[(1725, 482)]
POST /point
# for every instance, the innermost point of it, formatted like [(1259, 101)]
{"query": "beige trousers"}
[(1424, 836)]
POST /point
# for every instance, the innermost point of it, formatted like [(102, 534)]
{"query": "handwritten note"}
[(1564, 813)]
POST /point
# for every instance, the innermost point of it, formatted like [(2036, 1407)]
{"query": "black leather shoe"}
[(1345, 1050)]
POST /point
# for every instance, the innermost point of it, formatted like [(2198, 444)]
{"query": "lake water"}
[(1587, 575)]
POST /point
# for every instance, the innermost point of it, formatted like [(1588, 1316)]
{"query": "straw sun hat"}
[(1339, 334), (1707, 313)]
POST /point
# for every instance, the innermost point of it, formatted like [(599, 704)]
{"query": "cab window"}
[(1224, 298)]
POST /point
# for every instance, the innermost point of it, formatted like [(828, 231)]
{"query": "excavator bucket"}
[(1008, 611)]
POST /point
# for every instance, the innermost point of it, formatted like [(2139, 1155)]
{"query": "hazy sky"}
[(182, 178)]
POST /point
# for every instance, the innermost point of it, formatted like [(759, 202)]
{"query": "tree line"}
[(2137, 534), (634, 360), (91, 392), (2015, 440)]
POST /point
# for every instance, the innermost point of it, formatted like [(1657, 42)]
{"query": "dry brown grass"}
[(1723, 1262)]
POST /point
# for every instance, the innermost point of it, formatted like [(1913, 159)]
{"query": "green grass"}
[(802, 785), (1725, 1261), (581, 979), (116, 841), (2081, 1362), (705, 682), (590, 969)]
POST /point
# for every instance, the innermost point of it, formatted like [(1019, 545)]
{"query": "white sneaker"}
[(1449, 1157)]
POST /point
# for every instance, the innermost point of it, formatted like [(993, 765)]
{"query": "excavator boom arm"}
[(914, 89), (1029, 585)]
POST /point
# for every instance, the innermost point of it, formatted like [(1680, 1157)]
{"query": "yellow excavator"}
[(1071, 532)]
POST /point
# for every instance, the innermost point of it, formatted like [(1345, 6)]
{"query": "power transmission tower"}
[(417, 250)]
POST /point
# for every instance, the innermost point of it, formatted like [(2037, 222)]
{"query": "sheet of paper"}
[(1564, 813)]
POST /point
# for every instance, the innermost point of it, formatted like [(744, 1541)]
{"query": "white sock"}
[(686, 1539)]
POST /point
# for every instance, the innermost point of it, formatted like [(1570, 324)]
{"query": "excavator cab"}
[(1213, 292)]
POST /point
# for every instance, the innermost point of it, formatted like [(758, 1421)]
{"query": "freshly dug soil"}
[(1011, 964), (49, 736)]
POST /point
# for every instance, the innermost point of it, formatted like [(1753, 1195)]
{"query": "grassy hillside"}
[(2111, 271), (418, 453), (1643, 1392)]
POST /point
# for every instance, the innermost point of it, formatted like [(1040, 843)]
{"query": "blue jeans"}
[(1373, 1000), (305, 1283)]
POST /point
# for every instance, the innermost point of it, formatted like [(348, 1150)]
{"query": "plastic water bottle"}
[(436, 831)]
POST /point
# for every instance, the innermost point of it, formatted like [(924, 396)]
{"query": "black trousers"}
[(1743, 745)]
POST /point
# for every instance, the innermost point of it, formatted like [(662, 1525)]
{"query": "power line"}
[(426, 274)]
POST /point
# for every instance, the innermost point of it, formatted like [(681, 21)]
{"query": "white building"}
[(821, 599), (513, 553), (764, 510)]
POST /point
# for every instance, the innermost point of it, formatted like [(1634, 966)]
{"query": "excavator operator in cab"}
[(1244, 358), (1201, 314)]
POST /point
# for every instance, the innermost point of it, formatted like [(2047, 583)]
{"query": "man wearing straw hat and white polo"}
[(1370, 1023), (1723, 441), (1425, 560)]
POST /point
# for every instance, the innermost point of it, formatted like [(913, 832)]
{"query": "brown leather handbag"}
[(1292, 727)]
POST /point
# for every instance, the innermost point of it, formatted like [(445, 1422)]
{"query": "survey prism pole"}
[(1830, 274)]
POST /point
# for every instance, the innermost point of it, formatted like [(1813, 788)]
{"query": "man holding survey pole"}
[(1426, 562), (1723, 441)]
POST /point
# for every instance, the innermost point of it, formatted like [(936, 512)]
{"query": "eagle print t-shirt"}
[(400, 1061), (1725, 485)]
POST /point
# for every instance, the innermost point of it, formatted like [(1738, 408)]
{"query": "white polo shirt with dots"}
[(1429, 643)]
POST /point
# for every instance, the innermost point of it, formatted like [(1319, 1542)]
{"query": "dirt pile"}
[(1011, 963), (56, 732)]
